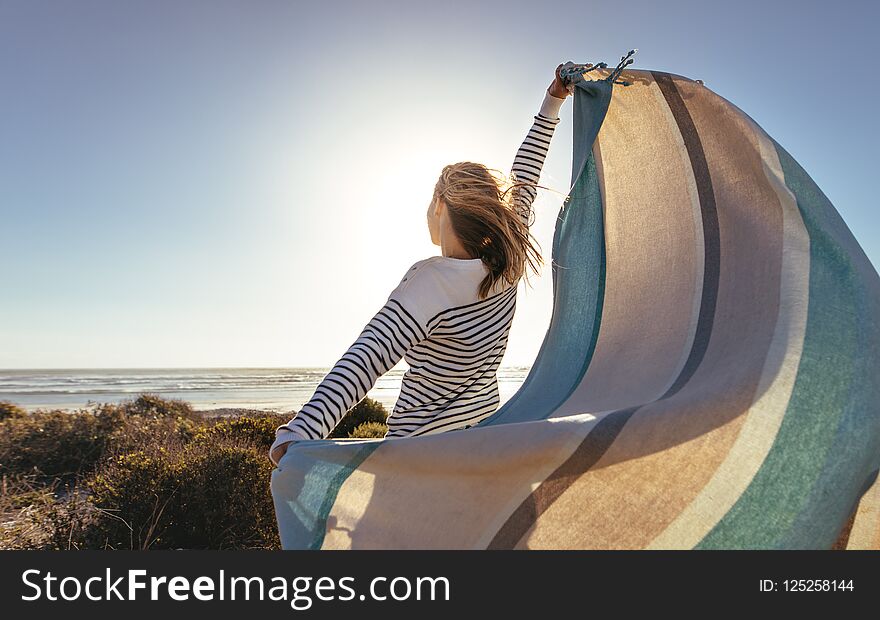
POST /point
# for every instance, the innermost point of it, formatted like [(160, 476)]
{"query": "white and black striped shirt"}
[(452, 340)]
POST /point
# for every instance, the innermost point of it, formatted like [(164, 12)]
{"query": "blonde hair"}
[(484, 211)]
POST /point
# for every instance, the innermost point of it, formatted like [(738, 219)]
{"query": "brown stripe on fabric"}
[(711, 236), (588, 452)]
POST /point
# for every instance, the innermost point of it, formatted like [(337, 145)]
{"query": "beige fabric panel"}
[(777, 379), (865, 533), (669, 449), (654, 257), (470, 480)]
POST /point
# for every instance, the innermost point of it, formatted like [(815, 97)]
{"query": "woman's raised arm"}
[(529, 159)]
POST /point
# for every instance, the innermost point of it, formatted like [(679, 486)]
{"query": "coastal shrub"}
[(149, 473), (51, 444), (368, 410), (154, 406), (211, 495), (369, 429), (10, 410), (252, 429), (139, 431)]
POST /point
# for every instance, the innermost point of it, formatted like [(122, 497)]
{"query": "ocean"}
[(270, 389)]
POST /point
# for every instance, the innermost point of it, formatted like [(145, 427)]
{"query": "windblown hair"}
[(484, 212)]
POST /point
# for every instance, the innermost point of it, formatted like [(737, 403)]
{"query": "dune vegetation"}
[(149, 473)]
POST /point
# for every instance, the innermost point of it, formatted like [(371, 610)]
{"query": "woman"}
[(450, 315)]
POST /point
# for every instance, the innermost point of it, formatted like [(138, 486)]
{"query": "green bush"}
[(154, 406), (63, 444), (369, 430), (137, 432), (53, 444), (10, 410), (145, 473), (368, 410), (203, 496), (258, 430)]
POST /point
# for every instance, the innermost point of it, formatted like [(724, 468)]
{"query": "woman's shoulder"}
[(445, 266), (446, 281), (436, 282), (418, 267)]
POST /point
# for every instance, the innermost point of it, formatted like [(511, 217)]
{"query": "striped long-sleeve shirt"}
[(452, 341)]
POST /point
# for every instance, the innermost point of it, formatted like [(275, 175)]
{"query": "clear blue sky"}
[(243, 183)]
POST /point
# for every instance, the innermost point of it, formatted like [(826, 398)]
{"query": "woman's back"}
[(451, 382), (452, 340)]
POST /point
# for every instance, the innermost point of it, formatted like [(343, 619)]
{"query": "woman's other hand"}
[(280, 451), (557, 88)]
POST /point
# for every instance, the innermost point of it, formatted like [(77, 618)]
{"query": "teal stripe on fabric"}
[(854, 455), (303, 501), (827, 443), (578, 269)]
